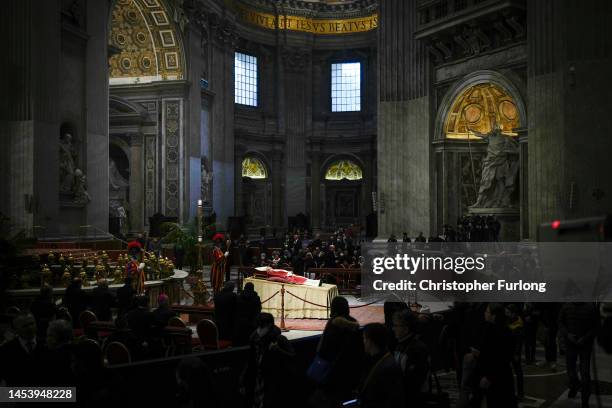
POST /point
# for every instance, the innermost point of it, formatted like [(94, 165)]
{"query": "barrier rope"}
[(325, 306), (367, 304), (306, 301), (275, 293)]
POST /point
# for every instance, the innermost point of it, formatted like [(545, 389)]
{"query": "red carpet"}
[(364, 315)]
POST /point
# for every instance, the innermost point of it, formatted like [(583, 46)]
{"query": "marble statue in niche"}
[(499, 169), (81, 196), (67, 163), (117, 195), (206, 183), (179, 16), (73, 181)]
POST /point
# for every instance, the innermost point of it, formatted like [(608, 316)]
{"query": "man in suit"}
[(296, 244), (44, 310), (102, 300), (140, 319), (76, 300), (125, 296), (56, 361), (225, 308), (383, 386), (164, 312), (20, 356)]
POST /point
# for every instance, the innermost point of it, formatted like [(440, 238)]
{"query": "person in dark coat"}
[(410, 354), (270, 376), (125, 296), (383, 385), (225, 309), (308, 263), (44, 310), (342, 346), (20, 357), (102, 301), (579, 324), (140, 319), (494, 359), (248, 307), (56, 360), (124, 335), (196, 387), (76, 300), (164, 312)]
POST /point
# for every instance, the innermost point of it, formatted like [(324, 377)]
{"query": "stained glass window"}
[(344, 169), (346, 87), (245, 79), (253, 168)]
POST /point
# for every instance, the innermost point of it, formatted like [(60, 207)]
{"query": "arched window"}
[(343, 169), (253, 168), (477, 107)]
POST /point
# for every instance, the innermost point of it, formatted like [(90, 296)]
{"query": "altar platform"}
[(298, 301)]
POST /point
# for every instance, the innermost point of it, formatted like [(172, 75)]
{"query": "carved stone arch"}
[(505, 82), (124, 106)]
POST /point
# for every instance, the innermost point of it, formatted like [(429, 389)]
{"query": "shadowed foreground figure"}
[(579, 325), (270, 379), (382, 386)]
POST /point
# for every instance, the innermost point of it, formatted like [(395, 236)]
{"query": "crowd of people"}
[(390, 364), (470, 228), (297, 250), (394, 364)]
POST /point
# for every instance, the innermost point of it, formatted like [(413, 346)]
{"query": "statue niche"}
[(206, 183), (118, 193), (72, 180), (499, 170)]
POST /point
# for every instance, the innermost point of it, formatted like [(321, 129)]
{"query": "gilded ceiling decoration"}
[(343, 170), (253, 168), (477, 107), (149, 44), (315, 17)]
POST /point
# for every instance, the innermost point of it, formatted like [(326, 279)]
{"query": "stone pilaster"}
[(523, 182), (315, 185), (136, 183), (277, 171)]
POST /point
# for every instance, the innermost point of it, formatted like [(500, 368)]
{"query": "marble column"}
[(315, 185), (277, 161), (523, 182), (16, 126), (239, 153), (136, 183)]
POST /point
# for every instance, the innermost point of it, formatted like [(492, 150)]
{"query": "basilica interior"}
[(340, 113), (366, 119)]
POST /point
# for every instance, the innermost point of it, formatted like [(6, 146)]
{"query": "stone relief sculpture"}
[(115, 179), (81, 196), (499, 169), (73, 181), (67, 163), (206, 183), (117, 193), (179, 15)]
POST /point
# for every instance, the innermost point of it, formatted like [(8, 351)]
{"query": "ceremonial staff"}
[(471, 157)]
